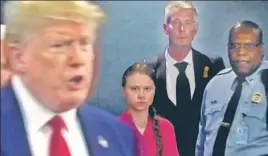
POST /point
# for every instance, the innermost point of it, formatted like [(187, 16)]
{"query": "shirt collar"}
[(254, 77), (188, 58), (35, 114), (126, 117)]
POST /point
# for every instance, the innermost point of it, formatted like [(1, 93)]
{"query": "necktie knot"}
[(181, 66), (240, 81), (58, 145), (57, 123)]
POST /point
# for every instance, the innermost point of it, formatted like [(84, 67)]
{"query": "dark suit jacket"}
[(184, 120), (95, 123)]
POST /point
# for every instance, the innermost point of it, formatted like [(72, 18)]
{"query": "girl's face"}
[(139, 91)]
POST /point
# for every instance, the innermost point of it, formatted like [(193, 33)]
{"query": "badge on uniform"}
[(242, 134), (256, 97), (205, 73)]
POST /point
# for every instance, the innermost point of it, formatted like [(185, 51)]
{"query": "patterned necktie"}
[(58, 145), (183, 92), (223, 132)]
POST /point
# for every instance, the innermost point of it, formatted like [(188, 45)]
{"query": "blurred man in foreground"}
[(42, 111)]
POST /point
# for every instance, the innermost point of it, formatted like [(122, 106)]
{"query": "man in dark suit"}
[(42, 114), (182, 74)]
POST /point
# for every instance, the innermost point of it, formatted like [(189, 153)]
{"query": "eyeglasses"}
[(178, 23), (245, 45)]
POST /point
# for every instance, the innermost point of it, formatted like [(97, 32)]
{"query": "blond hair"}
[(177, 5), (23, 17)]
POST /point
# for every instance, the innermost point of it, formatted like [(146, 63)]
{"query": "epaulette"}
[(224, 71)]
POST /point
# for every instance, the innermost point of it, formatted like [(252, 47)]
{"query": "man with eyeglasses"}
[(234, 108)]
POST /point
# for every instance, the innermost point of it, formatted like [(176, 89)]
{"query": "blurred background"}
[(134, 32)]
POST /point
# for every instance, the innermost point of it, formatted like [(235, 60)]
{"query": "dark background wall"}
[(133, 32)]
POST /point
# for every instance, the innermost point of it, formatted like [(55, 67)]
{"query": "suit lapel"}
[(98, 140), (14, 141), (161, 76), (199, 65), (161, 71)]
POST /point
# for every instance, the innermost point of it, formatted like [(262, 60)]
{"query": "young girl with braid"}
[(155, 135)]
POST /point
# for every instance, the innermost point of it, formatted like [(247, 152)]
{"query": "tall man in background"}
[(182, 74), (42, 114)]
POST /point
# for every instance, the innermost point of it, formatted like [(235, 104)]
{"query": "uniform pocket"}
[(256, 112), (214, 116), (255, 119), (212, 109)]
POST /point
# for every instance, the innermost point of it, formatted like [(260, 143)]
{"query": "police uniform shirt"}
[(248, 135)]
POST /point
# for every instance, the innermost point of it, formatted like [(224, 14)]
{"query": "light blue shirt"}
[(249, 113)]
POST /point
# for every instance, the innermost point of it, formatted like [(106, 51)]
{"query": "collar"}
[(126, 117), (188, 58), (35, 114), (255, 77)]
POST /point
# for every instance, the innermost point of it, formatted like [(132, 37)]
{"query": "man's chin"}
[(183, 44), (242, 72), (70, 103)]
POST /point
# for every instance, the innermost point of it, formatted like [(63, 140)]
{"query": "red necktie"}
[(58, 145)]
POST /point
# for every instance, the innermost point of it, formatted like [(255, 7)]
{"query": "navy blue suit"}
[(94, 122)]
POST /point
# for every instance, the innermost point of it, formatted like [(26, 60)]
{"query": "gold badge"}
[(205, 74), (256, 97)]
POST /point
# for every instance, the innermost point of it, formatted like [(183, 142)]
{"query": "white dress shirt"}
[(172, 73), (35, 120)]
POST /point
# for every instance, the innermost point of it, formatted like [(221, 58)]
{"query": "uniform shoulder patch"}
[(225, 71)]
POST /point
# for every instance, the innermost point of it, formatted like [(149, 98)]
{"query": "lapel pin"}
[(205, 73), (256, 97), (103, 142)]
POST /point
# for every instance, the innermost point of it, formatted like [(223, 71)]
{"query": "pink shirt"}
[(147, 142)]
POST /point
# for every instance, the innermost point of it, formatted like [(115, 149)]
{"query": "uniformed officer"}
[(233, 114)]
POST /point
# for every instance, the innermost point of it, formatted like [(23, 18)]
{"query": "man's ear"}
[(165, 28), (17, 58), (262, 50), (262, 47), (196, 29)]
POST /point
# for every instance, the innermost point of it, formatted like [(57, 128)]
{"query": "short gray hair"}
[(178, 5)]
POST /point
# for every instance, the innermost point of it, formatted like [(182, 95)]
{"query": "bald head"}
[(248, 25)]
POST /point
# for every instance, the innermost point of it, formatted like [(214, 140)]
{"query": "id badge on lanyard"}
[(242, 133)]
